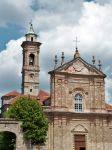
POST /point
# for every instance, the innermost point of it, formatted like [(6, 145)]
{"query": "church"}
[(79, 117)]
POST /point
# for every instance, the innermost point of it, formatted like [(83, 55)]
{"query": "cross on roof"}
[(31, 30), (76, 41), (30, 23)]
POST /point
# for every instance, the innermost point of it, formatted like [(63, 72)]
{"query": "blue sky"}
[(57, 23), (11, 31)]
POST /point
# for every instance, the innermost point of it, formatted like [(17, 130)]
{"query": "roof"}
[(12, 93), (66, 65), (31, 30), (11, 101), (43, 95), (108, 107)]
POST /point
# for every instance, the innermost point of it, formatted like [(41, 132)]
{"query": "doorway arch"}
[(14, 126), (7, 140)]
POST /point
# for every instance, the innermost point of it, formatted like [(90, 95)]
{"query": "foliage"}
[(29, 111), (7, 140)]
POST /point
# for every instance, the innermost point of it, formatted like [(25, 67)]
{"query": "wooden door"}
[(79, 141)]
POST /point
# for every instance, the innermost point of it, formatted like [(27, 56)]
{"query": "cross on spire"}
[(77, 54), (31, 30), (30, 22), (76, 41)]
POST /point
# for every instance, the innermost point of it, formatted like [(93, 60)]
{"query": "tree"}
[(29, 111)]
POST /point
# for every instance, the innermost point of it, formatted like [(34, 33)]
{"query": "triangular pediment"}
[(79, 128), (79, 66), (76, 67)]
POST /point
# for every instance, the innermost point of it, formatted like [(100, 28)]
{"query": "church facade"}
[(79, 117)]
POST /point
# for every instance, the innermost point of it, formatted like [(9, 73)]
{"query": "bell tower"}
[(30, 69)]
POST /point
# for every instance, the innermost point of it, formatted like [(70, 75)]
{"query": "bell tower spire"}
[(31, 35), (30, 69)]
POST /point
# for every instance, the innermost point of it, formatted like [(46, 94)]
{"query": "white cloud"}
[(52, 14), (43, 12), (108, 88), (59, 23), (94, 30), (10, 66)]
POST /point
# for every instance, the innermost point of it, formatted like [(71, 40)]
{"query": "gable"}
[(79, 128), (79, 66), (76, 67)]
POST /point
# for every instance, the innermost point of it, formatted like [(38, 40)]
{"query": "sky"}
[(57, 23)]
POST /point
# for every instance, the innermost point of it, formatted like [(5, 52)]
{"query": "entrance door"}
[(82, 148), (79, 142)]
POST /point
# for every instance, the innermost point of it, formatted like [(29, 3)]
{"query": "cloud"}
[(94, 32), (10, 66), (103, 2), (58, 24), (15, 11), (44, 12), (51, 14)]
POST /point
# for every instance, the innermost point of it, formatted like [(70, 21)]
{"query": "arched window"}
[(78, 104), (31, 59)]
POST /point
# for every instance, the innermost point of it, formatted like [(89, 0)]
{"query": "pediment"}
[(79, 66), (76, 67), (79, 128)]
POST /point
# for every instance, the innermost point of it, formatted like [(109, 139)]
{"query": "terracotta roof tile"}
[(43, 95), (13, 100), (12, 93)]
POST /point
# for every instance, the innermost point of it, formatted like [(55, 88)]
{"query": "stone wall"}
[(65, 87), (14, 126), (97, 129)]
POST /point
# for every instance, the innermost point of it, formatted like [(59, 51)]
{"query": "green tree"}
[(35, 123)]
